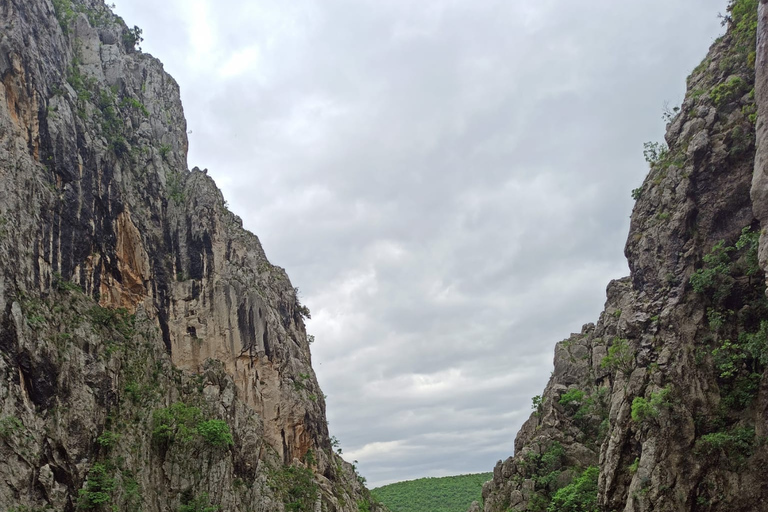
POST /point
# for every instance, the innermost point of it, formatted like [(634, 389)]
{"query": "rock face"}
[(662, 404), (151, 357)]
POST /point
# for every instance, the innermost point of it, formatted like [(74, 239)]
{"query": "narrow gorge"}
[(153, 359)]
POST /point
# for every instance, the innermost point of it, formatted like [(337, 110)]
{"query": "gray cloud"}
[(446, 181)]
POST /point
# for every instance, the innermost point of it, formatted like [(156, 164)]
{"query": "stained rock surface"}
[(661, 405), (151, 357)]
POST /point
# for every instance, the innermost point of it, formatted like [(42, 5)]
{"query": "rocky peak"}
[(151, 357), (661, 404)]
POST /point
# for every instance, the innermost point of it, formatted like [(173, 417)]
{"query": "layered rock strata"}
[(661, 405), (140, 324)]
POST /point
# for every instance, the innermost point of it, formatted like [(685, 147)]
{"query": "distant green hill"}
[(446, 494)]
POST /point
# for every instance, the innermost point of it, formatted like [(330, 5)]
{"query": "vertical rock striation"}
[(140, 324), (666, 396)]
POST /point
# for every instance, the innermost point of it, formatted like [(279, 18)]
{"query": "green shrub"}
[(544, 468), (65, 14), (750, 240), (739, 392), (107, 439), (572, 396), (643, 409), (133, 103), (183, 423), (176, 423), (736, 444), (175, 187), (728, 91), (579, 496), (537, 403), (196, 504), (296, 487), (112, 126), (64, 285), (10, 425), (714, 277), (729, 358), (756, 344), (132, 38), (654, 152), (216, 433), (620, 357), (118, 319), (98, 488), (743, 21)]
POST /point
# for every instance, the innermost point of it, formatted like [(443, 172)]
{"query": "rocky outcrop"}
[(152, 358), (666, 394)]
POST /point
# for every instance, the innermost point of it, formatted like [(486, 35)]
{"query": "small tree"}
[(620, 357)]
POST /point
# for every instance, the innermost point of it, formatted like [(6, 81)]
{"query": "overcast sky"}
[(446, 181)]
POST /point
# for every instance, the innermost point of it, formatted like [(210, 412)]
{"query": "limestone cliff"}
[(151, 357), (661, 405)]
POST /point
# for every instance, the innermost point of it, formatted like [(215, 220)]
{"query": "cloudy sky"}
[(447, 182)]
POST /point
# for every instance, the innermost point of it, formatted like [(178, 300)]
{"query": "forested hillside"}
[(446, 494)]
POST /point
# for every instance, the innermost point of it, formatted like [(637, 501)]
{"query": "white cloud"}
[(446, 181)]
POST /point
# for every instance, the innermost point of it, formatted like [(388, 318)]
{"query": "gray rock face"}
[(140, 324), (666, 393)]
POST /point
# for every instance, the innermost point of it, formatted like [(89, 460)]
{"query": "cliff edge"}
[(151, 357), (661, 405)]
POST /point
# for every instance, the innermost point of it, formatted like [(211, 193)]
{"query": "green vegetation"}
[(588, 410), (98, 489), (132, 38), (176, 423), (296, 486), (572, 397), (200, 503), (112, 125), (107, 439), (716, 277), (735, 445), (620, 357), (736, 347), (62, 285), (300, 308), (737, 317), (743, 20), (579, 496), (729, 91), (654, 152), (82, 85), (537, 404), (446, 494), (66, 11), (181, 423), (215, 433), (643, 409), (118, 319), (10, 425), (175, 187), (133, 103)]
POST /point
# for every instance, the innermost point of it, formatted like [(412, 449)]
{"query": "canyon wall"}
[(140, 324), (661, 404)]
